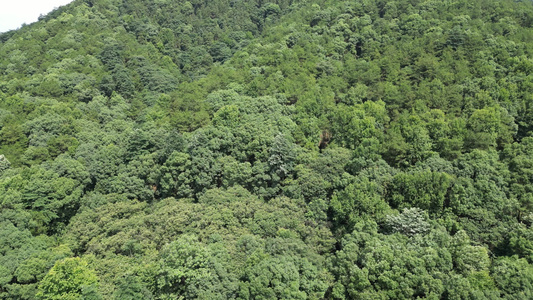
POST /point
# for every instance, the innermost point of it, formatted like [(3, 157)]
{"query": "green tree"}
[(130, 287), (185, 266), (67, 279), (359, 200), (514, 277), (425, 190)]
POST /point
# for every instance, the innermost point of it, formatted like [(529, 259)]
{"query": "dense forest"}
[(268, 149)]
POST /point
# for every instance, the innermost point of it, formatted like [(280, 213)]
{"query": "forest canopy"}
[(268, 149)]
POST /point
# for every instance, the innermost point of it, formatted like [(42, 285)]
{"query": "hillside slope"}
[(268, 150)]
